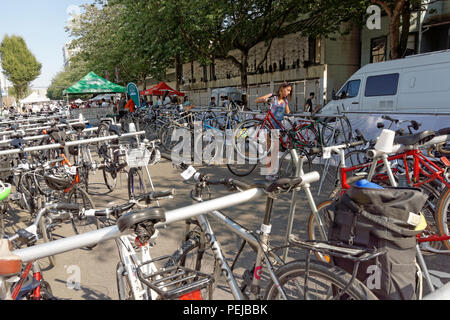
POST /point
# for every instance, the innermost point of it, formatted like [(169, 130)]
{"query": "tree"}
[(123, 34), (399, 13), (19, 64), (214, 29), (66, 78)]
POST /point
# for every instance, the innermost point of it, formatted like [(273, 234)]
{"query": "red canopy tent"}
[(160, 90)]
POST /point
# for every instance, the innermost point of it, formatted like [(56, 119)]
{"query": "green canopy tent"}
[(92, 83)]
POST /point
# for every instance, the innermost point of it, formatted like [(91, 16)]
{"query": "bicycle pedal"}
[(445, 161)]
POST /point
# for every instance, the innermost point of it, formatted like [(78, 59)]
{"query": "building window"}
[(314, 50), (382, 85), (350, 90), (378, 49)]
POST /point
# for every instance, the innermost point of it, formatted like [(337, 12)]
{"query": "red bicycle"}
[(409, 166)]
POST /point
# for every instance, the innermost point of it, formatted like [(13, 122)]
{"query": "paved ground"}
[(96, 268)]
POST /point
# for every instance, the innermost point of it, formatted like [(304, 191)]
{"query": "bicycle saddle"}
[(18, 143), (417, 138), (10, 263), (114, 129), (134, 218), (79, 127), (443, 131)]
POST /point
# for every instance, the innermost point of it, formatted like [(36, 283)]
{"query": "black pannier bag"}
[(387, 219)]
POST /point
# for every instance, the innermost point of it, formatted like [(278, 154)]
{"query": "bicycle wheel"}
[(241, 170), (443, 215), (318, 281), (336, 131), (429, 210), (110, 177), (251, 141), (85, 224), (352, 159), (287, 167), (209, 147), (136, 183), (314, 230), (47, 236)]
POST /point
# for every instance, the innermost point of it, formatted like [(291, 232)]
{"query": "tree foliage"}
[(19, 64), (66, 78)]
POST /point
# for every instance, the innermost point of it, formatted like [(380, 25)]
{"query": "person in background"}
[(212, 103), (166, 99), (122, 103), (158, 101), (309, 106)]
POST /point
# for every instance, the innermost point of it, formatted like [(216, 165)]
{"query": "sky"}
[(41, 23)]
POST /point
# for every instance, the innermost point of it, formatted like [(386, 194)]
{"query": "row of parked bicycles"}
[(47, 162)]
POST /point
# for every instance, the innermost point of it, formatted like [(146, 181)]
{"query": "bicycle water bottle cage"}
[(418, 138), (132, 219)]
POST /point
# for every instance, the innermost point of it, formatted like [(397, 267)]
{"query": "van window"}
[(350, 90), (382, 85)]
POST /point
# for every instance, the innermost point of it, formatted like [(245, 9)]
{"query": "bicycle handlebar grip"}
[(162, 194), (357, 143), (68, 206), (240, 184), (389, 119)]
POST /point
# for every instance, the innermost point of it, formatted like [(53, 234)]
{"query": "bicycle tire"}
[(241, 170), (136, 183), (85, 224), (207, 141), (444, 148), (109, 178), (429, 212), (241, 133), (336, 134), (47, 236), (287, 167), (443, 215), (328, 279)]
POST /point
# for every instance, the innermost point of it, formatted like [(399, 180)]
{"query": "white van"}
[(418, 83)]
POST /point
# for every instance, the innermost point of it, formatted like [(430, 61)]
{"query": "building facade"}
[(68, 53), (315, 65)]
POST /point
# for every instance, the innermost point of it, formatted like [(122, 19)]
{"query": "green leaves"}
[(19, 64)]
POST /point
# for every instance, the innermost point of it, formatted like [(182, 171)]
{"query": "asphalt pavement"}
[(90, 274)]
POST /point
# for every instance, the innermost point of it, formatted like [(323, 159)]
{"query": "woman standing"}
[(279, 106)]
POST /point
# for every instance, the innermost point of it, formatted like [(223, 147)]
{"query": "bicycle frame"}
[(129, 263), (110, 233)]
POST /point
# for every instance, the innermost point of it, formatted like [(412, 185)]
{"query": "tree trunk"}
[(244, 74), (178, 71), (406, 23), (394, 35)]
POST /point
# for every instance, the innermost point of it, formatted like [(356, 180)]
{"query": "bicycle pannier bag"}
[(387, 219)]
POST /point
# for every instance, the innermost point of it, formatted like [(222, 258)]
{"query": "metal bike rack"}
[(71, 143)]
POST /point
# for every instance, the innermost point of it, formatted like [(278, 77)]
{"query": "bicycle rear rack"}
[(175, 282)]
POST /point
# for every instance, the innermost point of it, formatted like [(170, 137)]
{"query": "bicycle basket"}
[(174, 282), (138, 157)]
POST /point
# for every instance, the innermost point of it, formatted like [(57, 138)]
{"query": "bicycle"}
[(201, 238), (144, 222)]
